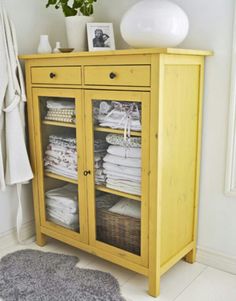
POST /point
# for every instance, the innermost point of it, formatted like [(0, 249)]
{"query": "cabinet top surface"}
[(118, 52)]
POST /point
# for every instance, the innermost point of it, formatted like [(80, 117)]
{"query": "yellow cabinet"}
[(115, 147)]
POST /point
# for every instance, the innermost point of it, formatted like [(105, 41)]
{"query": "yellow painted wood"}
[(40, 237), (95, 251), (171, 147), (58, 177), (191, 256), (56, 123), (116, 192), (124, 75), (176, 258), (119, 53), (154, 184), (178, 132), (115, 131), (63, 75)]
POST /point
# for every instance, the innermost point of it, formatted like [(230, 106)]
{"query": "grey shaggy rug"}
[(30, 275)]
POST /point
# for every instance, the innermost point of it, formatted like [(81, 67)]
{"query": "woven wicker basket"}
[(119, 230)]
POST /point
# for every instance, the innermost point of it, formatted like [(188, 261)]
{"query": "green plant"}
[(85, 7)]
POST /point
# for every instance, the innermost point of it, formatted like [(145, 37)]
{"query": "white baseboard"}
[(216, 260), (9, 238)]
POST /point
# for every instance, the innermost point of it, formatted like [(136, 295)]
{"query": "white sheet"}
[(125, 152), (130, 162)]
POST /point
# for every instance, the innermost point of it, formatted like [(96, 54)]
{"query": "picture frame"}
[(100, 36)]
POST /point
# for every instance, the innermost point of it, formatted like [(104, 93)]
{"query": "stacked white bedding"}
[(100, 147), (122, 166), (61, 156), (62, 111), (62, 206)]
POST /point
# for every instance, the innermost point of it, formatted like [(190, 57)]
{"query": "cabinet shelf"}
[(56, 123), (58, 177), (115, 131), (117, 192)]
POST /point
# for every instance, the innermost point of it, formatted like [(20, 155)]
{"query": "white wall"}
[(210, 28)]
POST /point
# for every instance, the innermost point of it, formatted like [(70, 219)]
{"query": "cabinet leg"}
[(154, 286), (41, 239), (191, 256)]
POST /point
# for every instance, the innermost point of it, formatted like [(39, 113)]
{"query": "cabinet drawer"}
[(56, 75), (117, 75)]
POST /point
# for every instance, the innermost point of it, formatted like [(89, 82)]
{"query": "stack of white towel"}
[(62, 206), (122, 166), (100, 147), (61, 156), (62, 111)]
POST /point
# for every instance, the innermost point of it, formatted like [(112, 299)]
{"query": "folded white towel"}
[(127, 207), (67, 219), (125, 152), (131, 162), (65, 196), (121, 176), (124, 188), (62, 104), (122, 169)]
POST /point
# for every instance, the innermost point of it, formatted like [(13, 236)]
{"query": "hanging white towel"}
[(14, 166)]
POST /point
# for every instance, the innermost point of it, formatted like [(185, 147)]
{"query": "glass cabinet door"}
[(117, 136), (58, 121)]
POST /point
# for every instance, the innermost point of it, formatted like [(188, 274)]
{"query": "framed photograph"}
[(100, 36)]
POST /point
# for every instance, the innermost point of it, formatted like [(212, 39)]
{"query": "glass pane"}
[(59, 149), (117, 164)]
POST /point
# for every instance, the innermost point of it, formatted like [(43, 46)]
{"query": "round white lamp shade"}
[(154, 23)]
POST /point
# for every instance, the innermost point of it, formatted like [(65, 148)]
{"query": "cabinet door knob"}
[(112, 75), (87, 172), (52, 75)]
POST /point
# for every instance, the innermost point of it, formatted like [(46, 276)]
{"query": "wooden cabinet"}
[(158, 93)]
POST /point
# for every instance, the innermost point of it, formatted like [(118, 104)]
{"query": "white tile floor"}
[(184, 282)]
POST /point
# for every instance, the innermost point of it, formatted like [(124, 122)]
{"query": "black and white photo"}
[(100, 36)]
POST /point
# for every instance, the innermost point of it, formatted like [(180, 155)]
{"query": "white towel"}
[(67, 219), (124, 188), (125, 152), (62, 104), (120, 176), (130, 162), (122, 169), (127, 207)]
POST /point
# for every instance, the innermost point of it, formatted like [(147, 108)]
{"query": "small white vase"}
[(77, 32), (56, 49), (44, 45), (154, 23)]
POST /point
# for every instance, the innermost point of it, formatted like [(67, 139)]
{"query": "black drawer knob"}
[(87, 172), (52, 75), (112, 75)]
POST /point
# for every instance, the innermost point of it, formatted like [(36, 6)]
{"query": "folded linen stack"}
[(62, 206), (122, 164), (100, 147), (61, 156), (118, 115), (63, 111)]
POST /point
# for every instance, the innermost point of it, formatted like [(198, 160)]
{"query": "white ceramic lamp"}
[(154, 23)]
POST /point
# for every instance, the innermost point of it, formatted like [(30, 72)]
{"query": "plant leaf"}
[(51, 2), (68, 11)]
